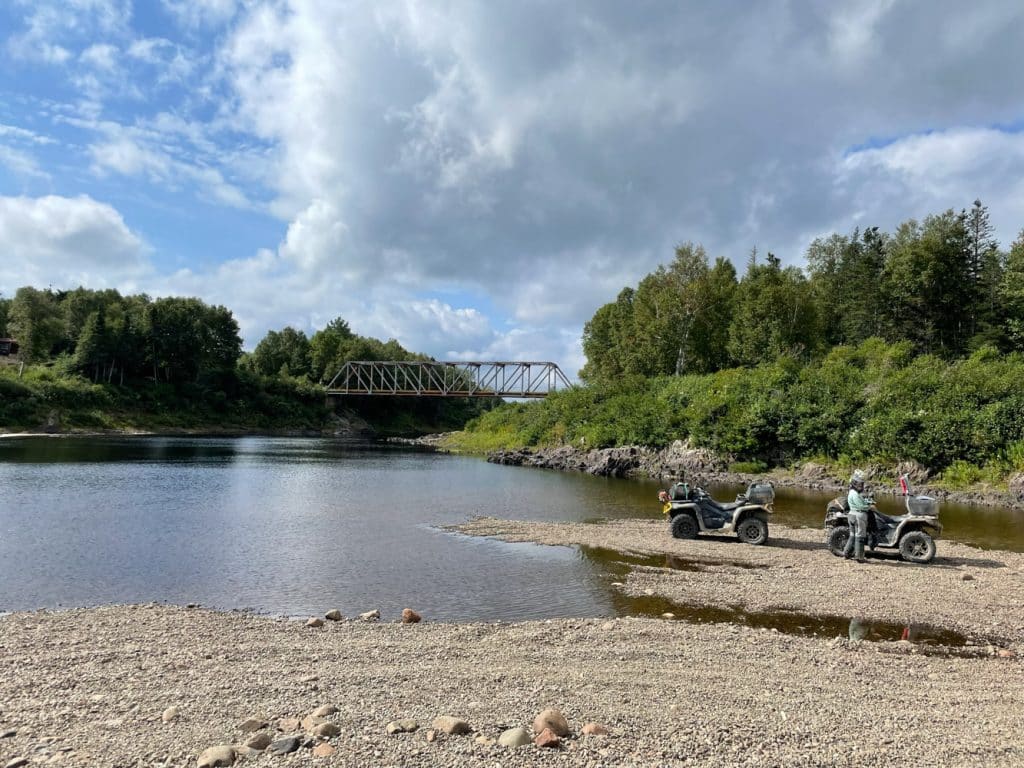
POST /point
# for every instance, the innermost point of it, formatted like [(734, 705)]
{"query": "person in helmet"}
[(858, 517)]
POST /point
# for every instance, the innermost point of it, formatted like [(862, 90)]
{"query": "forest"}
[(95, 359), (886, 347)]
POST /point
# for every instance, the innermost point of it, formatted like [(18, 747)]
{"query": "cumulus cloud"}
[(538, 157), (64, 242)]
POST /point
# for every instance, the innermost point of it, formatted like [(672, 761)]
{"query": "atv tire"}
[(684, 526), (753, 530), (917, 547), (837, 539)]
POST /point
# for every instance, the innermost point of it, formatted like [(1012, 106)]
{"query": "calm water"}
[(299, 526)]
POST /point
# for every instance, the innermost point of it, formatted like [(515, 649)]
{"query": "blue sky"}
[(473, 178)]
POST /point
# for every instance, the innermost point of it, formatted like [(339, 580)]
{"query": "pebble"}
[(323, 750), (171, 713), (594, 729), (8, 734), (17, 762), (289, 724), (401, 726), (431, 735), (312, 721), (324, 711), (967, 577)]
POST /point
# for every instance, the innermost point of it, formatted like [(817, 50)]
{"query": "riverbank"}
[(703, 467), (93, 687), (157, 685), (978, 593)]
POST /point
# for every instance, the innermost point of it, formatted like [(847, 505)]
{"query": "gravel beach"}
[(156, 685)]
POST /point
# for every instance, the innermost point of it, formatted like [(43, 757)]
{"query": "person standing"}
[(858, 517)]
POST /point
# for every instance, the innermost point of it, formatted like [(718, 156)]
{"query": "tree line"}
[(942, 284), (111, 361)]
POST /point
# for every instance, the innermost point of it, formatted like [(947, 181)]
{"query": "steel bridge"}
[(414, 378)]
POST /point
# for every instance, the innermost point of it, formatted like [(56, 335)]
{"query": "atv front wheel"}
[(917, 547), (684, 526), (753, 530), (837, 539)]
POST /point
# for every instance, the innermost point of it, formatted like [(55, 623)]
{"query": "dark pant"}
[(858, 534)]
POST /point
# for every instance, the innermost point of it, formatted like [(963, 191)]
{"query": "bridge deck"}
[(414, 378)]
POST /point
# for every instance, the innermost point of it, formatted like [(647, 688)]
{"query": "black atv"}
[(913, 534), (693, 511)]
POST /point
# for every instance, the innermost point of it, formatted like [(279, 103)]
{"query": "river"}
[(295, 527)]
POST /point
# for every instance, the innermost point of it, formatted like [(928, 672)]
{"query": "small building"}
[(8, 347)]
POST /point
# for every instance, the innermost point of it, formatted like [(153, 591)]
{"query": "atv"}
[(693, 511), (913, 534)]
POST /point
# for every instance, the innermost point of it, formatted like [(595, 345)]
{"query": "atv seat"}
[(732, 505)]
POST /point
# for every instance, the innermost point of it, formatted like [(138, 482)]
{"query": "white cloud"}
[(101, 56), (64, 241), (196, 13), (929, 173), (21, 163)]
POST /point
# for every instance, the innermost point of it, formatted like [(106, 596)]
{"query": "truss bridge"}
[(414, 378)]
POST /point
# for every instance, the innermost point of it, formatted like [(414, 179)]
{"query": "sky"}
[(475, 178)]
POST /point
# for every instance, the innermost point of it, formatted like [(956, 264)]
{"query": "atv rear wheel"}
[(837, 539), (753, 530), (917, 547), (684, 526)]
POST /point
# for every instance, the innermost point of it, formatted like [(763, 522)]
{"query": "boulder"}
[(916, 473), (370, 615), (315, 621), (1016, 485), (333, 615)]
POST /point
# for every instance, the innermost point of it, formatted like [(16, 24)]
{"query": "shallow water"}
[(298, 526)]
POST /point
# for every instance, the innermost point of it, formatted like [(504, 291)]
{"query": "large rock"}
[(409, 616), (325, 710), (333, 615), (370, 615), (315, 621), (326, 731), (515, 737), (451, 725), (553, 719), (216, 757), (312, 721), (259, 742), (1016, 485), (916, 473), (547, 738), (284, 746), (252, 724)]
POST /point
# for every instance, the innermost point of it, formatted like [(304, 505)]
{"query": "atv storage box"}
[(760, 493), (925, 506)]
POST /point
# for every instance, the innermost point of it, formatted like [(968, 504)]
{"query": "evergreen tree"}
[(1011, 295)]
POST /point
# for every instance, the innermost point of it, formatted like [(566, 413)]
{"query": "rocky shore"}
[(705, 467), (158, 685)]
